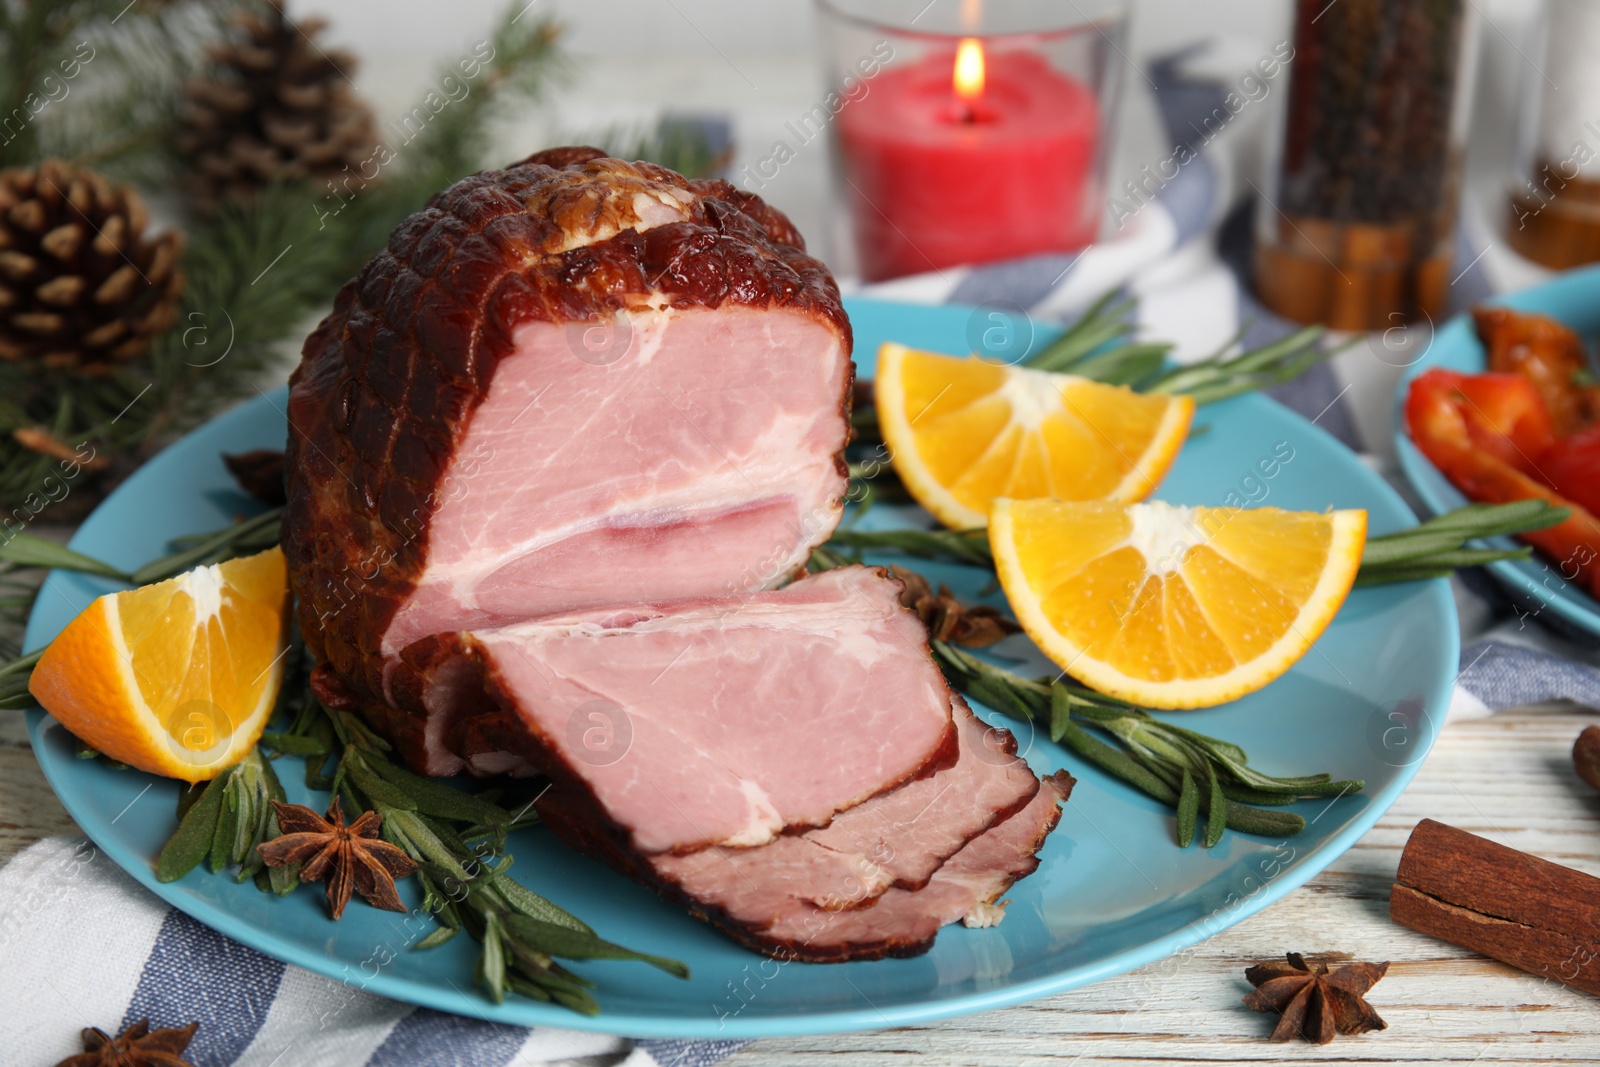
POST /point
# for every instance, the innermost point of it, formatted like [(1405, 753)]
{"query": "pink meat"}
[(570, 383), (904, 922), (899, 922), (899, 838), (698, 722), (688, 464)]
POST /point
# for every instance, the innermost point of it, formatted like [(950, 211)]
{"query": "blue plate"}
[(1573, 298), (1112, 892)]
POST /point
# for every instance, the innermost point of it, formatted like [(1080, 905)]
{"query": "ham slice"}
[(683, 721), (898, 922), (571, 383), (903, 922), (895, 840)]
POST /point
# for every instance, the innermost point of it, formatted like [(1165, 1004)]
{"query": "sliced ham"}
[(903, 922), (571, 383), (898, 922), (684, 721), (895, 840)]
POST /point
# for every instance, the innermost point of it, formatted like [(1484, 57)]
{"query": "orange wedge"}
[(1174, 607), (963, 432), (176, 678)]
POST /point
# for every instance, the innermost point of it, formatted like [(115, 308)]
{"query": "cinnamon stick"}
[(1517, 908)]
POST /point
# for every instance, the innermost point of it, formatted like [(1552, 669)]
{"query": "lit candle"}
[(969, 158)]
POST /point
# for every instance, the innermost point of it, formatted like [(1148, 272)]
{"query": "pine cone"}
[(274, 107), (81, 285)]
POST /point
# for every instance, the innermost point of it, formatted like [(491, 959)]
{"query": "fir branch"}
[(258, 273), (154, 49), (677, 143), (119, 63), (523, 63)]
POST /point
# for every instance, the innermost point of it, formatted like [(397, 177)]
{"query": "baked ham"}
[(556, 463), (570, 383)]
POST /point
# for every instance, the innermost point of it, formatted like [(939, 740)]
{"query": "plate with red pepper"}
[(1505, 406)]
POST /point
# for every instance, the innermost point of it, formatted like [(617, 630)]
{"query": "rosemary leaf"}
[(1127, 365), (1221, 376), (1216, 810), (1188, 809), (1437, 548), (563, 941), (1115, 762), (958, 546), (1262, 822), (435, 798), (192, 841), (532, 905), (377, 790), (294, 744), (1105, 320), (437, 937), (1246, 795), (223, 842), (492, 959)]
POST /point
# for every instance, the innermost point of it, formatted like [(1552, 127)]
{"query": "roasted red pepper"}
[(1550, 355), (1573, 468), (1479, 431), (1504, 414)]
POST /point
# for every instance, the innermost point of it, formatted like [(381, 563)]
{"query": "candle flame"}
[(968, 77)]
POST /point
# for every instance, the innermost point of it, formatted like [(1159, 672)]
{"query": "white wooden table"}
[(1508, 778)]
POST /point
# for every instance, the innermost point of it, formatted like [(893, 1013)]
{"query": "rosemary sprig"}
[(1189, 771), (953, 546), (1432, 549), (1437, 548), (1099, 345), (1221, 376), (1106, 322)]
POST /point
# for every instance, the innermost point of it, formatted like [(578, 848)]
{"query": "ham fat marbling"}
[(556, 462)]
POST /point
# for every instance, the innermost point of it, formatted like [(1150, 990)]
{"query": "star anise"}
[(350, 858), (134, 1047), (1313, 1002), (947, 619)]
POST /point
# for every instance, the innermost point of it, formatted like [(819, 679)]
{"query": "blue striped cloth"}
[(82, 945)]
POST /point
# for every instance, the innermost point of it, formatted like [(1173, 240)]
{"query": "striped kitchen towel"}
[(83, 945)]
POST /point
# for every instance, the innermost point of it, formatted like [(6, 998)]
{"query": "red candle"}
[(968, 159)]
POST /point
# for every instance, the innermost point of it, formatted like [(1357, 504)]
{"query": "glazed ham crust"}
[(384, 398)]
